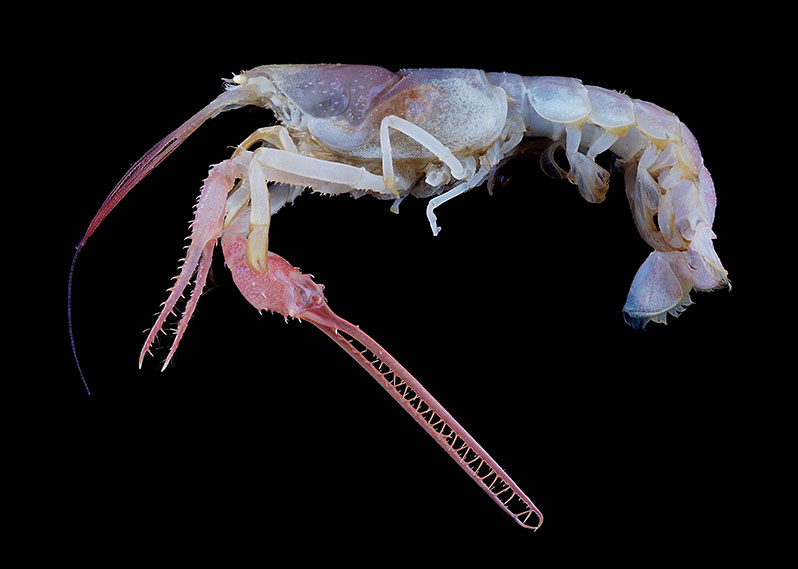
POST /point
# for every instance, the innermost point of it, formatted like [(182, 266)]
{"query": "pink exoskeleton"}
[(437, 133)]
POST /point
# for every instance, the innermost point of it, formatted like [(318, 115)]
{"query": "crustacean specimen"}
[(432, 133)]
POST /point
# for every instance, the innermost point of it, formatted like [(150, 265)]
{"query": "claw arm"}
[(436, 421), (284, 289)]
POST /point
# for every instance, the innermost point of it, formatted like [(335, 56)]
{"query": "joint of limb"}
[(277, 136), (419, 135), (294, 169), (260, 214), (460, 188), (322, 175), (591, 179)]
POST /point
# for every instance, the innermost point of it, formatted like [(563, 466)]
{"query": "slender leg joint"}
[(421, 136), (259, 218)]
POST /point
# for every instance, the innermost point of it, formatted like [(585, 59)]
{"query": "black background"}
[(263, 438)]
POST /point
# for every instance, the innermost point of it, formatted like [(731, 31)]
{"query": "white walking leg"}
[(460, 188), (423, 138), (287, 167), (260, 215)]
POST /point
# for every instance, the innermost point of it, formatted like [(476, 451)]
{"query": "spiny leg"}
[(206, 257), (205, 230)]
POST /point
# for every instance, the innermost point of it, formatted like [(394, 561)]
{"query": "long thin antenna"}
[(69, 317), (143, 166)]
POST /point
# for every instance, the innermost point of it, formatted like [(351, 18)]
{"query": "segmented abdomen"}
[(670, 192)]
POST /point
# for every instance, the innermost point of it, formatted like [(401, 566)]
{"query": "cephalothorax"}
[(437, 133)]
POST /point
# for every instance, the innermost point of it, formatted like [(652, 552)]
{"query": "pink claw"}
[(286, 290)]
